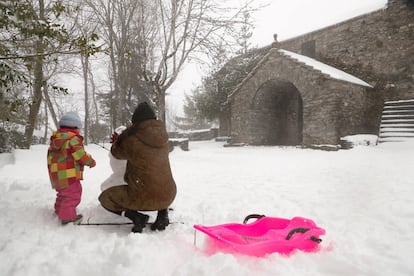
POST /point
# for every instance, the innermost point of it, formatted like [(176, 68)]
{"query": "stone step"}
[(397, 130), (397, 134), (397, 121), (397, 107), (399, 102), (399, 117), (398, 111), (392, 107), (392, 139), (407, 128)]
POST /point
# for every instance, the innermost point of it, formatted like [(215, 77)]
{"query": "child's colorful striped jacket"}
[(66, 158)]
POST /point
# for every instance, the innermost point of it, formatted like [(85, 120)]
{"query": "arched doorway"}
[(277, 113)]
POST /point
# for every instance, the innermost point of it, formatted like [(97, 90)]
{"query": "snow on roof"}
[(326, 69)]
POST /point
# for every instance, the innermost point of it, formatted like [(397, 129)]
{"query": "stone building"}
[(327, 84)]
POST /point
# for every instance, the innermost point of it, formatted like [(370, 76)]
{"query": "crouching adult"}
[(150, 184)]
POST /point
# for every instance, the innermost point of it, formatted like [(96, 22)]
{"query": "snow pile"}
[(361, 139), (361, 196)]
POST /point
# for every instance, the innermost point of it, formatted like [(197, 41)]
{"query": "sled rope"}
[(88, 223), (120, 223), (106, 223)]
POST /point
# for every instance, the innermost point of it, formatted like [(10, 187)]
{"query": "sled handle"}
[(315, 239), (296, 230), (302, 230), (252, 216)]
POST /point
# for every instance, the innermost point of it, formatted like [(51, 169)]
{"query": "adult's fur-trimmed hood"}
[(152, 133)]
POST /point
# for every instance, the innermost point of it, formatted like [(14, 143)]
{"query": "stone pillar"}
[(275, 43)]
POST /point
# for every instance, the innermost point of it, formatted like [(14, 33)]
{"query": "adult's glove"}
[(114, 137)]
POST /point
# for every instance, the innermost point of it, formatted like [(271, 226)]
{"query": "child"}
[(66, 158)]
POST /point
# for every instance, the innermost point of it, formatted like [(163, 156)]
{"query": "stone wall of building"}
[(376, 47), (331, 108)]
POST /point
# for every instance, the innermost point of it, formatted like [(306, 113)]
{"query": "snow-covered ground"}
[(363, 197)]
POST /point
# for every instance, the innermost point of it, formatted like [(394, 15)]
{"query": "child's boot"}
[(75, 221)]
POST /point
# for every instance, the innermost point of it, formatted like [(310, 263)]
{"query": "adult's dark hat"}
[(143, 112)]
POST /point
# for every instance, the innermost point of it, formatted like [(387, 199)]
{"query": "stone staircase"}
[(397, 121)]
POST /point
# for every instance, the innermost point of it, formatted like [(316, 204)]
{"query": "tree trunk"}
[(122, 92), (93, 86), (46, 125), (160, 102), (85, 67), (50, 106), (115, 91), (35, 104), (37, 87)]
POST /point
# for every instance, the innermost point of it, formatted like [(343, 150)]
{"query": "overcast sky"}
[(287, 18), (290, 18)]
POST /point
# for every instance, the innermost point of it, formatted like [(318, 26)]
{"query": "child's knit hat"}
[(70, 119)]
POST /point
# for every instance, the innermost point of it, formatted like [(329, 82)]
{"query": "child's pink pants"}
[(66, 201)]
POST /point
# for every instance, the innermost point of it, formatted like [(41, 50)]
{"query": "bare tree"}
[(86, 28), (149, 42), (116, 19), (174, 32)]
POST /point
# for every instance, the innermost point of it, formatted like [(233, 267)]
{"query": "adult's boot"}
[(138, 219), (162, 220)]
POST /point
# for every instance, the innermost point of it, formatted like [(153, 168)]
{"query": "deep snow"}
[(362, 197)]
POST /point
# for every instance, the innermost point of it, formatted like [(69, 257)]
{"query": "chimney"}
[(275, 43)]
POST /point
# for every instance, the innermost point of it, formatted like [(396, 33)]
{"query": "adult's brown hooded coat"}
[(148, 174)]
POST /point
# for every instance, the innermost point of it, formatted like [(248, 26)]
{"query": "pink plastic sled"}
[(264, 236)]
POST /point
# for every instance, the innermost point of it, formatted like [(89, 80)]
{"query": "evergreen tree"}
[(246, 31), (210, 100)]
